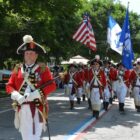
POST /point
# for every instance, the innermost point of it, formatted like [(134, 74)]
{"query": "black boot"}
[(84, 97), (89, 104), (106, 105), (71, 105), (78, 100), (110, 100), (138, 108), (93, 113), (97, 114), (119, 106), (122, 108), (103, 104)]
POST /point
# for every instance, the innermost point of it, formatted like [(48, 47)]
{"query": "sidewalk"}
[(115, 126)]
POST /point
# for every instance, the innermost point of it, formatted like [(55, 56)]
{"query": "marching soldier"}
[(80, 81), (87, 86), (122, 85), (135, 83), (113, 80), (108, 88), (30, 104), (97, 83), (71, 84)]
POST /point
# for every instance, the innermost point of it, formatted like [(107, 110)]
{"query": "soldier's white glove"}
[(15, 95), (32, 95)]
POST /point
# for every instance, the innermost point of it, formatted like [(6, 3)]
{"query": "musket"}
[(47, 83), (41, 87)]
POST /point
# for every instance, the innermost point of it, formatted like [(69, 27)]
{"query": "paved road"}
[(115, 126), (77, 124)]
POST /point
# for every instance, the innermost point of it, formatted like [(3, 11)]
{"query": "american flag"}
[(85, 34)]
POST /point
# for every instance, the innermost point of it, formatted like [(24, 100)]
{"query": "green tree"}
[(53, 22)]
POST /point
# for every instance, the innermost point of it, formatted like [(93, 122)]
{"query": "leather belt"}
[(95, 86), (29, 102)]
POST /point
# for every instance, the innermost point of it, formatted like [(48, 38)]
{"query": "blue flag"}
[(125, 41), (113, 35)]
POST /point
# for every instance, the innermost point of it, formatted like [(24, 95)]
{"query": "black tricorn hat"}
[(120, 64), (106, 62), (30, 44), (97, 61), (72, 65)]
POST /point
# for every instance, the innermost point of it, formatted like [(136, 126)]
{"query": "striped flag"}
[(85, 34)]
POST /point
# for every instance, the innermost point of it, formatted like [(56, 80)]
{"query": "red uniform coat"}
[(80, 78), (86, 74), (101, 77), (126, 77), (17, 79), (67, 78), (113, 74), (132, 77)]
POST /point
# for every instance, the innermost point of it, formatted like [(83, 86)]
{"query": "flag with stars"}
[(125, 41), (85, 33)]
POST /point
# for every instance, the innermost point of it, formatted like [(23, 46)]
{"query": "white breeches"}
[(26, 124), (87, 90), (114, 86), (121, 90), (79, 92), (68, 90), (106, 94), (84, 88), (95, 99), (136, 93)]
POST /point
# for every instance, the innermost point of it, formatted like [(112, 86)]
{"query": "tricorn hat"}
[(106, 62), (96, 61), (72, 65), (30, 44)]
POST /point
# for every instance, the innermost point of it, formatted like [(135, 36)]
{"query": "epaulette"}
[(16, 68), (42, 67)]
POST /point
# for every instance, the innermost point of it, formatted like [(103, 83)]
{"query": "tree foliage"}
[(53, 22)]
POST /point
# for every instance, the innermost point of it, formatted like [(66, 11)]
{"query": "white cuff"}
[(15, 95)]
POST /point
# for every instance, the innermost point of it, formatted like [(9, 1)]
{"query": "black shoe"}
[(78, 100), (71, 105)]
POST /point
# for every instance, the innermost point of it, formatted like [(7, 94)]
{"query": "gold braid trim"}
[(16, 68)]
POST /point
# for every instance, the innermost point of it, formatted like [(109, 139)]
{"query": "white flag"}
[(113, 35)]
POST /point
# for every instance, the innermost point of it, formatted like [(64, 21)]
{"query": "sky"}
[(134, 5)]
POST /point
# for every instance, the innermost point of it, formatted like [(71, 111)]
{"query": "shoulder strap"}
[(95, 78)]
